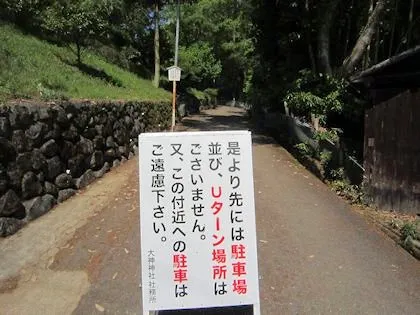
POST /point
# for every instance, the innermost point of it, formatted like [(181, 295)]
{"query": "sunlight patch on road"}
[(49, 292)]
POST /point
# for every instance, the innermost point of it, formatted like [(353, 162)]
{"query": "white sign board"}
[(174, 73), (197, 220)]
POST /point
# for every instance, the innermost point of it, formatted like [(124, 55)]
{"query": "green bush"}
[(211, 95), (409, 229), (341, 184), (203, 98), (156, 116), (316, 94), (305, 149)]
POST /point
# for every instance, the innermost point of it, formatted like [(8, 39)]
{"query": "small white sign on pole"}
[(197, 220), (174, 73)]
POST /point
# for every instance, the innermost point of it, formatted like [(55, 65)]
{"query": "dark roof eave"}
[(367, 74)]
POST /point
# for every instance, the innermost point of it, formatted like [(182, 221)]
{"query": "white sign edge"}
[(141, 138)]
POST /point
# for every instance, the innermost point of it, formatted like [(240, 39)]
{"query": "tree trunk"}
[(377, 43), (308, 40), (348, 31), (312, 57), (156, 79), (315, 121), (366, 60), (410, 23), (329, 10), (394, 22), (364, 39)]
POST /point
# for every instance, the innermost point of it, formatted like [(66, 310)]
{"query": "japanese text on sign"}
[(197, 218)]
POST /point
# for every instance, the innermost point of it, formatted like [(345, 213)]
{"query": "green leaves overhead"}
[(78, 20), (316, 94), (199, 61), (217, 36)]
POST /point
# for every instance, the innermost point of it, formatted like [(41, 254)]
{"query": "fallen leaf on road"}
[(91, 250), (109, 231), (100, 308), (263, 241), (114, 276), (312, 256), (126, 250)]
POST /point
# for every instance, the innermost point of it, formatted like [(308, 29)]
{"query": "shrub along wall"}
[(49, 151)]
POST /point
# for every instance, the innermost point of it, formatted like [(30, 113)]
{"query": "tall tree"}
[(365, 38), (156, 78), (156, 9), (328, 10), (218, 31), (76, 21)]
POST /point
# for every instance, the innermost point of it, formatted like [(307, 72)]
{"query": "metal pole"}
[(173, 105), (178, 11)]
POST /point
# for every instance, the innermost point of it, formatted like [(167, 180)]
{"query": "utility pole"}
[(178, 11)]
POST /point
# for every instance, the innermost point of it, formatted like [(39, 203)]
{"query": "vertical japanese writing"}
[(219, 258), (152, 285), (238, 249), (197, 190), (159, 228), (158, 189), (179, 257), (197, 220)]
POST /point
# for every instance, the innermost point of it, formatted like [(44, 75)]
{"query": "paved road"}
[(316, 255)]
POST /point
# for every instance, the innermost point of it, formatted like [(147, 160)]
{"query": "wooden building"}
[(392, 132)]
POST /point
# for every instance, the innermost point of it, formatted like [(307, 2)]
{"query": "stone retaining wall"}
[(48, 151)]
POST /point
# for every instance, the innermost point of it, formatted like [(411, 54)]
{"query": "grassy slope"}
[(30, 68)]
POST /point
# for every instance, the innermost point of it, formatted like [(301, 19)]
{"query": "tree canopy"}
[(253, 50)]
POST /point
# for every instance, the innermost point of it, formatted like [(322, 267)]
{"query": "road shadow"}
[(92, 71), (232, 119), (208, 122)]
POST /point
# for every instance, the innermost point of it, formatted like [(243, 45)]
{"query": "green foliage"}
[(212, 95), (409, 229), (327, 134), (199, 62), (203, 98), (217, 44), (325, 157), (25, 13), (316, 94), (76, 21), (305, 149), (155, 115), (342, 187), (48, 94), (33, 68)]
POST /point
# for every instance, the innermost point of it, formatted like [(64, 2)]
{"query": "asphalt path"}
[(316, 255)]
